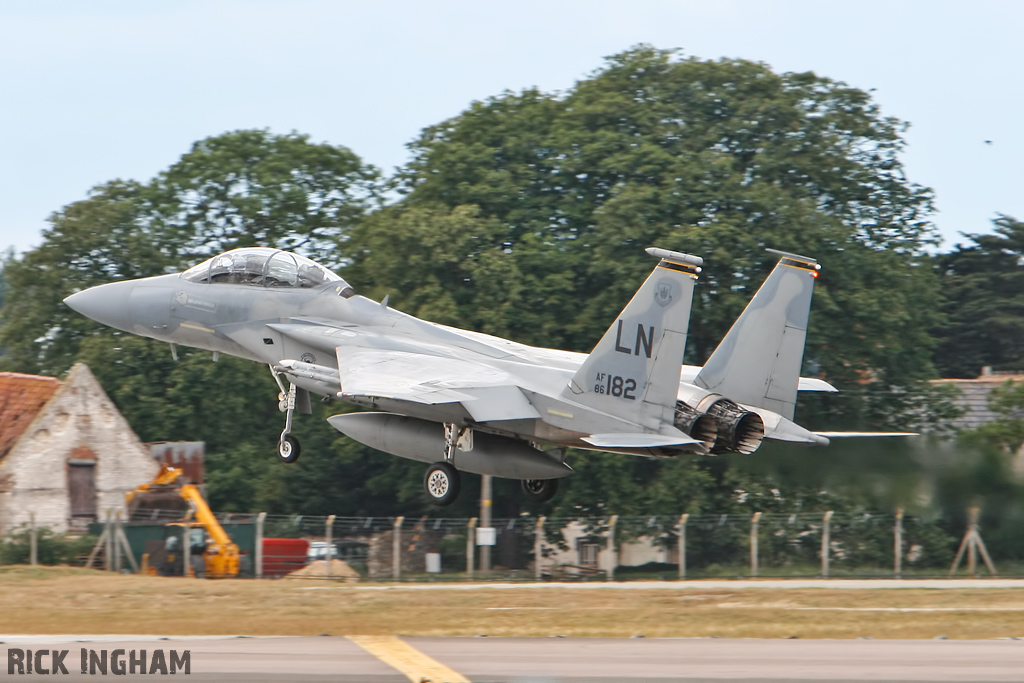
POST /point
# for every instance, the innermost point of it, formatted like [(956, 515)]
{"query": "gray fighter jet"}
[(471, 402)]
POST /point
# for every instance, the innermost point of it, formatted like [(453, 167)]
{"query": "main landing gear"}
[(287, 446), (442, 481), (540, 490)]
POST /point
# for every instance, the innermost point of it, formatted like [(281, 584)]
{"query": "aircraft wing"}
[(486, 393), (690, 372)]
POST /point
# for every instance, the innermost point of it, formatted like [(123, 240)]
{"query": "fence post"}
[(396, 550), (470, 547), (973, 543), (613, 557), (485, 520), (330, 545), (898, 544), (108, 554), (753, 542), (186, 545), (538, 547), (117, 540), (683, 519), (972, 555), (826, 543), (33, 540), (258, 568)]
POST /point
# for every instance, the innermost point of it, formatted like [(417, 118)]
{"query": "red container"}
[(283, 555)]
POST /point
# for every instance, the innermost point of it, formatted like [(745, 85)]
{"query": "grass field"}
[(62, 600)]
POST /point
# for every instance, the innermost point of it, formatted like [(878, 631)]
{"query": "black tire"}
[(441, 483), (288, 449), (540, 490)]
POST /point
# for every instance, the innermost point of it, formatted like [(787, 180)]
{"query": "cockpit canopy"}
[(263, 267)]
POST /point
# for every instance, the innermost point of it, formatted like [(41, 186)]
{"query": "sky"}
[(93, 91)]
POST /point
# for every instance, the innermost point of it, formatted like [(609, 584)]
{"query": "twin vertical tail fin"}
[(758, 361), (634, 370)]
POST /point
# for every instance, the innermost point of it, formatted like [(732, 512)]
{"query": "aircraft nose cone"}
[(107, 304)]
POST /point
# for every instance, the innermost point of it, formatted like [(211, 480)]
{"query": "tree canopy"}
[(244, 188), (718, 158), (983, 291), (524, 216)]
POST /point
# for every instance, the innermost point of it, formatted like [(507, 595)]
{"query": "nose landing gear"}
[(287, 446)]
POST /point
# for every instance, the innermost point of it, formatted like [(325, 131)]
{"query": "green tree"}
[(90, 242), (525, 216), (983, 301), (251, 187), (717, 158), (237, 189), (4, 261), (1006, 432), (447, 265), (243, 188), (987, 474)]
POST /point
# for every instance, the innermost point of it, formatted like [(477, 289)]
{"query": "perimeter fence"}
[(806, 544)]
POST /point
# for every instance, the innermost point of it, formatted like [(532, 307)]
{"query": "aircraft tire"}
[(540, 490), (288, 449), (441, 483)]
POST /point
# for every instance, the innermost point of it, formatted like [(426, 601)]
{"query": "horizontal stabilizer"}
[(619, 440), (690, 372), (845, 435), (815, 384)]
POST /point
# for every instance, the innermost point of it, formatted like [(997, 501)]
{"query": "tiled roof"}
[(21, 399), (974, 397)]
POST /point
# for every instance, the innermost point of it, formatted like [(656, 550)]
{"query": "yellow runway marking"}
[(409, 661)]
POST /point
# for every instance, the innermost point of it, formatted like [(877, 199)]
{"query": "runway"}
[(386, 659)]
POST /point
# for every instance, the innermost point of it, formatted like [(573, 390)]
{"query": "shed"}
[(66, 452)]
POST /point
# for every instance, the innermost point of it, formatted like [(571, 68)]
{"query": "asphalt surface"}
[(547, 660)]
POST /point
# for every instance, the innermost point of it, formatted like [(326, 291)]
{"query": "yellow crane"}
[(220, 554)]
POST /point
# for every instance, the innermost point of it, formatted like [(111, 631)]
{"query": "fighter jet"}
[(464, 401)]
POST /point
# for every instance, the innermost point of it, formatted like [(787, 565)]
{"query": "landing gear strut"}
[(287, 446), (442, 480), (540, 490)]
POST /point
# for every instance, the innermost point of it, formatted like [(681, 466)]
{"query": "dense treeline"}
[(525, 216)]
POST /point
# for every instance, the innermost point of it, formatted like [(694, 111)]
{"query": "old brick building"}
[(66, 453)]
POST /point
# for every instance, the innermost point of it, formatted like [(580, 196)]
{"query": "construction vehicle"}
[(206, 538)]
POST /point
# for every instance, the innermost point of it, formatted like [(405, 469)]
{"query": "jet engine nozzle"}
[(739, 430), (697, 425)]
